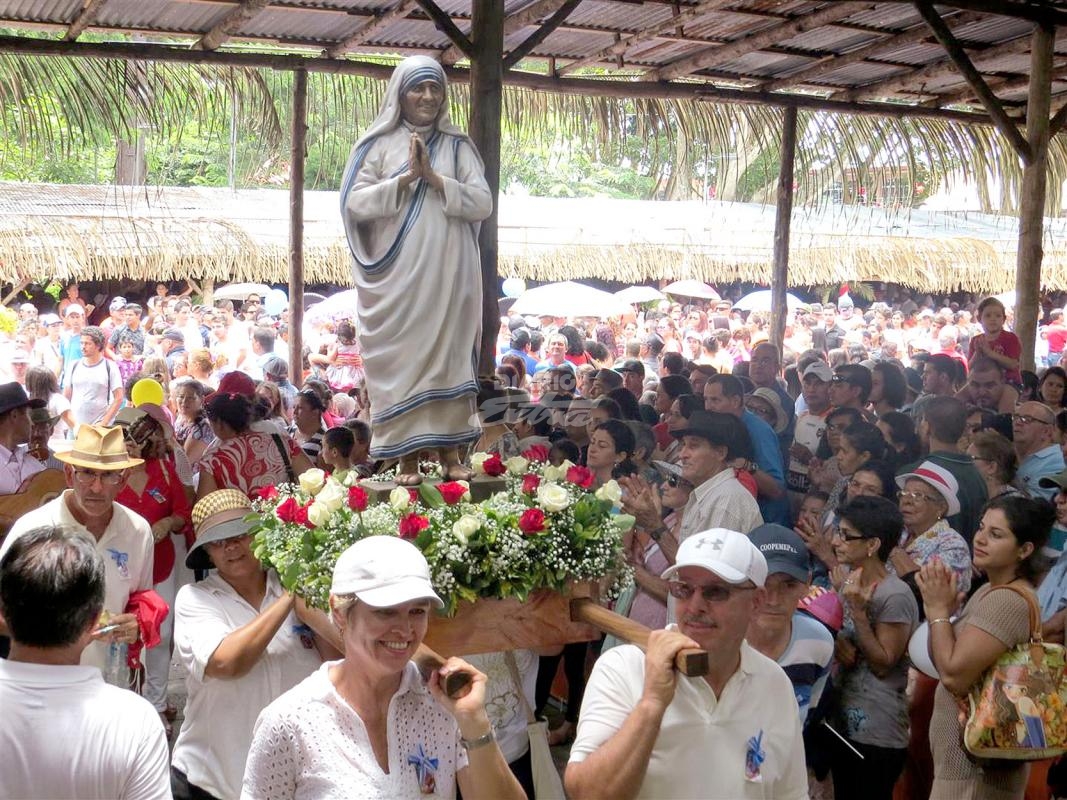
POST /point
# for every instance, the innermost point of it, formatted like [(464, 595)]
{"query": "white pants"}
[(157, 659)]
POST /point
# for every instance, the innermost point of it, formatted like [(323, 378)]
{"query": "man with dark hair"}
[(764, 370), (850, 387), (651, 347), (939, 430), (520, 346), (263, 339), (672, 364), (131, 331), (66, 733), (726, 394), (633, 376), (172, 346), (940, 374), (93, 384), (988, 387)]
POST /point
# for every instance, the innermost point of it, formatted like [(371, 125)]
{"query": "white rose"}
[(351, 478), (610, 491), (332, 495), (478, 463), (558, 473), (465, 527), (552, 497), (517, 465), (312, 480), (399, 498), (319, 514)]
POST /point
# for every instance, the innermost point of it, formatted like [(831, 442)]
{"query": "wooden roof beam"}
[(748, 44), (1001, 84), (611, 52), (1058, 121), (1040, 12), (542, 33), (535, 12), (893, 42), (399, 11), (936, 70), (992, 104), (229, 24), (85, 18), (445, 24)]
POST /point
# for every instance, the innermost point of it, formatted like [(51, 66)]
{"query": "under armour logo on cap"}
[(728, 554)]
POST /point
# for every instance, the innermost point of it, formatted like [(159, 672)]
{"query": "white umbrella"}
[(761, 301), (691, 288), (240, 291), (569, 299), (640, 294), (341, 305), (1007, 298)]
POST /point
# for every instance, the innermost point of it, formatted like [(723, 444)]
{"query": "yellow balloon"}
[(147, 390)]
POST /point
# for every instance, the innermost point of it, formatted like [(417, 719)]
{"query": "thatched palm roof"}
[(153, 233)]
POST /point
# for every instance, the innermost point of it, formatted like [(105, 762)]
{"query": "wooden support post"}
[(1032, 201), (296, 227), (782, 218), (208, 294), (487, 85)]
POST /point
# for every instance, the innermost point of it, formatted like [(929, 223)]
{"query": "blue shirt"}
[(768, 457), (529, 360), (1052, 593), (806, 661), (71, 349), (1045, 463)]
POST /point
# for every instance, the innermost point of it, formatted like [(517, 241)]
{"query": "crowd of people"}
[(800, 512)]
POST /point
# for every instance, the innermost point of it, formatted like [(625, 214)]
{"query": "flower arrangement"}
[(547, 528)]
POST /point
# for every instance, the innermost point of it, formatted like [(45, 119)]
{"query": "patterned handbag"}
[(1019, 707)]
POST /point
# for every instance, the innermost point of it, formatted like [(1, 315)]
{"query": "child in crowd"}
[(345, 370), (128, 362), (347, 447), (997, 344)]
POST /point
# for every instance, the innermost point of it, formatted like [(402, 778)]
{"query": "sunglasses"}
[(839, 379), (674, 481), (712, 594)]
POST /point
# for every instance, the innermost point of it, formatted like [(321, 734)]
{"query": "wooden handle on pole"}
[(691, 662), (427, 661)]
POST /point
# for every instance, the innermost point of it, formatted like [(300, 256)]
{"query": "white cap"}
[(821, 370), (939, 479), (73, 308), (384, 571), (728, 554)]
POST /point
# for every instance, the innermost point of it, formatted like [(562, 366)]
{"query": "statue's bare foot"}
[(408, 473), (408, 479), (458, 472)]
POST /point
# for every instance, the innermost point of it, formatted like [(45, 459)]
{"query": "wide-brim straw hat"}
[(217, 516), (99, 447)]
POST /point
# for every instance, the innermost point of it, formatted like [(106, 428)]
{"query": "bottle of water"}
[(116, 671)]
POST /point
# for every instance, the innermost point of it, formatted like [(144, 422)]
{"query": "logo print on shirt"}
[(122, 562), (425, 767), (754, 757)]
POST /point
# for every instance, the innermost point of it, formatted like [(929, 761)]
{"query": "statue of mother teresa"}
[(412, 198)]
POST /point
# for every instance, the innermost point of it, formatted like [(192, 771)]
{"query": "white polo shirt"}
[(127, 547), (68, 734), (220, 713), (703, 741)]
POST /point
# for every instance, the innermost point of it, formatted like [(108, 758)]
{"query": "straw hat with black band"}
[(99, 447), (217, 516)]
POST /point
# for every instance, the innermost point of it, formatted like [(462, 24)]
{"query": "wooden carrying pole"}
[(427, 661), (782, 219), (296, 228), (691, 663)]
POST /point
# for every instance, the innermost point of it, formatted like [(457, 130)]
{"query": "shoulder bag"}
[(547, 783)]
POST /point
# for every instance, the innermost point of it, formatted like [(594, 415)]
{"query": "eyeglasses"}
[(221, 543), (839, 379), (88, 477), (919, 496), (835, 428), (1026, 419), (674, 481), (712, 594), (864, 488), (847, 536)]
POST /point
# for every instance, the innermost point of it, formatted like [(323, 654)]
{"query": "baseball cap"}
[(117, 304), (20, 357), (1057, 481), (821, 370), (174, 335), (73, 308), (50, 319), (728, 554), (384, 571), (27, 307), (632, 365), (783, 550), (667, 469)]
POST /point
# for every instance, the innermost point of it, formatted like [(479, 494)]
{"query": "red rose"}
[(493, 466), (358, 498), (532, 521), (530, 482), (452, 491), (300, 516), (414, 495), (266, 493), (412, 525), (581, 476), (538, 453), (286, 510)]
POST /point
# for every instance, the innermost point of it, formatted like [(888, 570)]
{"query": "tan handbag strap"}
[(516, 679), (1031, 602)]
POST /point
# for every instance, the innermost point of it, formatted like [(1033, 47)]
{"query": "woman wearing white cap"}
[(367, 726)]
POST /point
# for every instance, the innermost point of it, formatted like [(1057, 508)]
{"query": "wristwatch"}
[(481, 741), (657, 534)]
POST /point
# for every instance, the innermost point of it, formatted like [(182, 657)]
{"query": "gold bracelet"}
[(940, 619)]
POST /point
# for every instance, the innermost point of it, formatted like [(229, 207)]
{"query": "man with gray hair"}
[(66, 733)]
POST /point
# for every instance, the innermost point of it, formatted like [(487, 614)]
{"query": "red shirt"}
[(1057, 337), (1005, 344), (163, 496)]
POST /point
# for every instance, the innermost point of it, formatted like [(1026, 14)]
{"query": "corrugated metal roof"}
[(591, 27)]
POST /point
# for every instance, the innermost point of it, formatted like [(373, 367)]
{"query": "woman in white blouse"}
[(367, 726)]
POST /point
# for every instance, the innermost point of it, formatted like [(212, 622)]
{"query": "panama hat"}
[(99, 447), (216, 516)]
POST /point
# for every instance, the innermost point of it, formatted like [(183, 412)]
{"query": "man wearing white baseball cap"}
[(367, 726), (646, 732)]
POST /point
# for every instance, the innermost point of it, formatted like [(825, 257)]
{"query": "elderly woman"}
[(244, 459), (1007, 549), (880, 615), (995, 458), (367, 726), (412, 197), (243, 641)]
